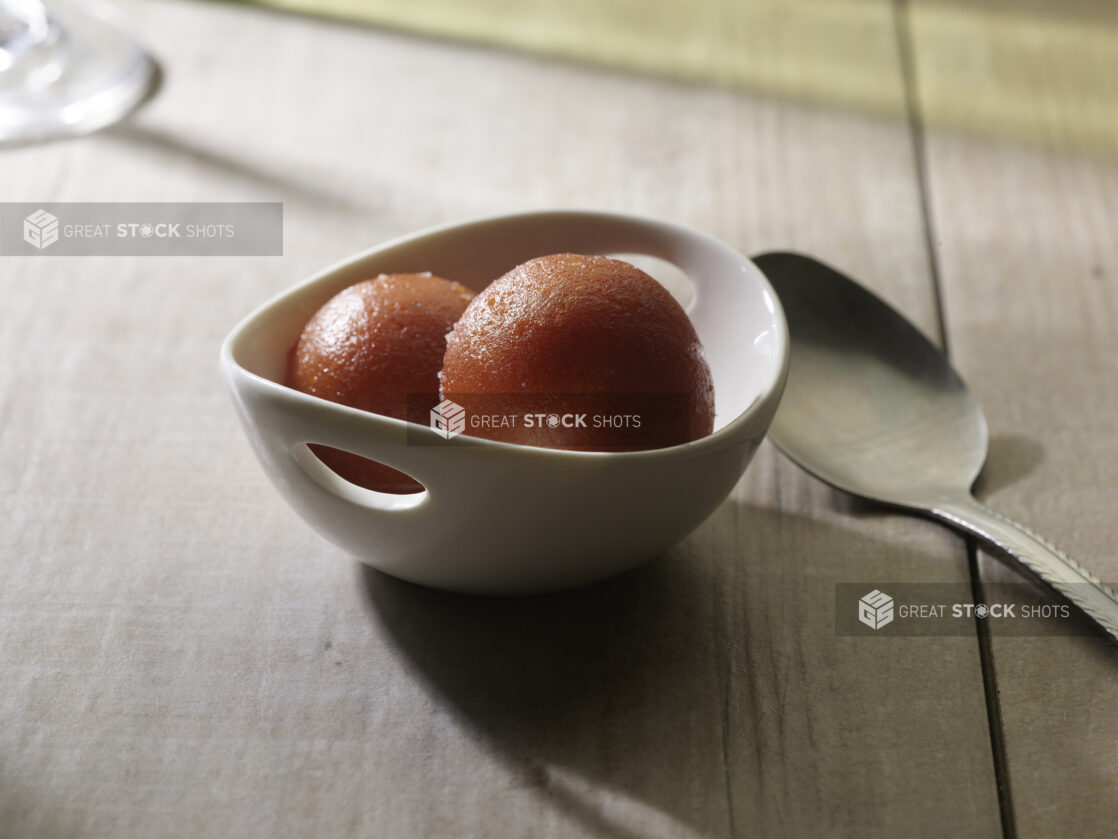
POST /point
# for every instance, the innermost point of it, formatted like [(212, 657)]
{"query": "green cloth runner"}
[(840, 51)]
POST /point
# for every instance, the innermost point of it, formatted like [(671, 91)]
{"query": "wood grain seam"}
[(993, 700), (916, 129), (906, 49)]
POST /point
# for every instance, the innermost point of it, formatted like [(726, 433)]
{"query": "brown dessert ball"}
[(378, 346), (565, 337)]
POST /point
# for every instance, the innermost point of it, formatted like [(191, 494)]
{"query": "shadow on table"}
[(231, 163), (1011, 459), (668, 688), (599, 681), (29, 812)]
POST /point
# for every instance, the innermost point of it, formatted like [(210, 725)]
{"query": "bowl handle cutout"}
[(679, 285), (293, 421), (334, 483)]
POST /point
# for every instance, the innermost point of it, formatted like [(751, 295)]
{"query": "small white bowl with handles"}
[(498, 518)]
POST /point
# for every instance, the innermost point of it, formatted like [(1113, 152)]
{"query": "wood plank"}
[(181, 656), (1025, 196)]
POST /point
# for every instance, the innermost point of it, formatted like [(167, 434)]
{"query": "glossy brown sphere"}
[(568, 336), (378, 346)]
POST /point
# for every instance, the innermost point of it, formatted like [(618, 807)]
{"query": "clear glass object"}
[(67, 67)]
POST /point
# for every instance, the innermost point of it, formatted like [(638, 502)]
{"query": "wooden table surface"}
[(181, 656)]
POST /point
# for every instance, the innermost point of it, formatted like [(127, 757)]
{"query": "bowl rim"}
[(722, 438)]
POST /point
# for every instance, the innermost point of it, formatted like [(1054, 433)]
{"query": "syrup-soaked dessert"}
[(579, 352), (378, 345)]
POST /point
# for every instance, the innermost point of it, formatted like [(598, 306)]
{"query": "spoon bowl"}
[(872, 407), (870, 402)]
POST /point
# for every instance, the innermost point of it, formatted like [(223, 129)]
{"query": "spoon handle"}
[(1040, 557)]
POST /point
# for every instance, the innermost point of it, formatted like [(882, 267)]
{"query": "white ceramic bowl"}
[(497, 517)]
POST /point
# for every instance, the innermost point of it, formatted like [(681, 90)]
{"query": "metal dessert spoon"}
[(873, 408)]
